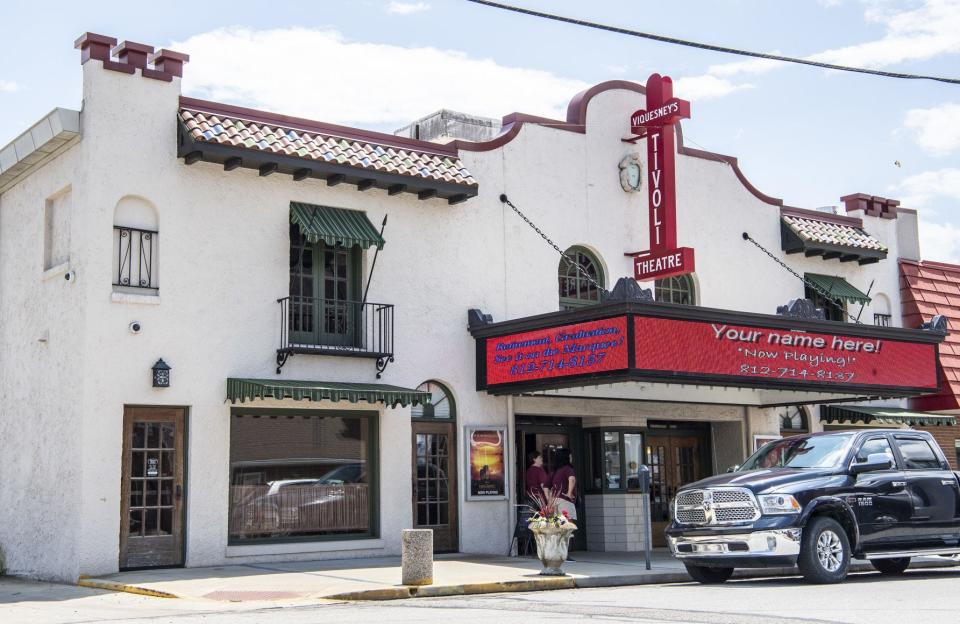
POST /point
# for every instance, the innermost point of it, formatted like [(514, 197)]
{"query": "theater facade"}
[(241, 336)]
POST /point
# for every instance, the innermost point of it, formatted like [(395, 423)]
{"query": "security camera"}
[(135, 327), (70, 276)]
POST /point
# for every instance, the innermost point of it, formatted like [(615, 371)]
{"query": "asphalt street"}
[(919, 596)]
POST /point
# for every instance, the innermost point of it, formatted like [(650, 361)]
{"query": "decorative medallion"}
[(631, 172)]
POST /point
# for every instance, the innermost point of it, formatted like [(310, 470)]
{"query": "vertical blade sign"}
[(656, 123)]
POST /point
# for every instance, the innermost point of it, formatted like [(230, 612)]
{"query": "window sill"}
[(56, 271), (120, 297), (251, 550)]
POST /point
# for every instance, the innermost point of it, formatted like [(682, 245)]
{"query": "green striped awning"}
[(882, 416), (838, 287), (250, 389), (335, 226)]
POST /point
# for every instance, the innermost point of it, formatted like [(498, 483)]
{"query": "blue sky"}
[(803, 134)]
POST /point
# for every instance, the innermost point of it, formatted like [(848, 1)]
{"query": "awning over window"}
[(838, 287), (882, 416), (250, 389), (335, 226)]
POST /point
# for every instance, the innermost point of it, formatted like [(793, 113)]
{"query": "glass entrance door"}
[(674, 461), (151, 520), (435, 483)]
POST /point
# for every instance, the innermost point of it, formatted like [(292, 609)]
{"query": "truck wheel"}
[(824, 551), (891, 566), (708, 576)]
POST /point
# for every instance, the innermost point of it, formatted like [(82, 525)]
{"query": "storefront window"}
[(613, 460), (301, 475)]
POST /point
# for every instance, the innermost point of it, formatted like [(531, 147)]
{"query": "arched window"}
[(677, 289), (441, 407), (135, 246), (576, 290), (793, 420)]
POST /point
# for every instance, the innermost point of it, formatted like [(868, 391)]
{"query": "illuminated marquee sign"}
[(664, 258), (696, 347), (634, 347)]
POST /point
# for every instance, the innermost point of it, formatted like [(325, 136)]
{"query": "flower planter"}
[(552, 543)]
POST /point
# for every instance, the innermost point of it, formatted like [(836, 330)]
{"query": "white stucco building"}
[(227, 241)]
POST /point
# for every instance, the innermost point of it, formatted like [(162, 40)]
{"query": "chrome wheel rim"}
[(829, 551)]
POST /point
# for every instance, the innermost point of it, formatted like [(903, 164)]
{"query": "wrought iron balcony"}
[(335, 327)]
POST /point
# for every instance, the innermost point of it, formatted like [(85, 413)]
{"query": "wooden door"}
[(152, 502), (435, 483), (674, 461)]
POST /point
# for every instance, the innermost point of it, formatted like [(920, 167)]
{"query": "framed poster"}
[(486, 463), (760, 440)]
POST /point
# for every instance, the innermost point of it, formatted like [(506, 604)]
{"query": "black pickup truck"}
[(819, 500)]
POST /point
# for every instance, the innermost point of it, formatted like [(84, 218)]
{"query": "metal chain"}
[(828, 297), (505, 200)]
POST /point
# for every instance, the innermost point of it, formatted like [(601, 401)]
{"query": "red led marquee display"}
[(695, 347), (591, 347)]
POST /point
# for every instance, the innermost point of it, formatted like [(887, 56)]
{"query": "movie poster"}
[(486, 463)]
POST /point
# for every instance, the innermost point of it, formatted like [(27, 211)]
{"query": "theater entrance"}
[(547, 435), (677, 454)]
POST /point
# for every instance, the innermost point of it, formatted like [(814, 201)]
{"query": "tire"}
[(708, 576), (891, 566), (824, 551)]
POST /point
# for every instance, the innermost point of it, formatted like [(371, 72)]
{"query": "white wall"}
[(224, 261)]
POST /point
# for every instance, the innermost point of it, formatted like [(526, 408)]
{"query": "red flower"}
[(565, 514)]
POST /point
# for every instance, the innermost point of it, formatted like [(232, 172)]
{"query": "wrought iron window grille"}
[(883, 320), (136, 258)]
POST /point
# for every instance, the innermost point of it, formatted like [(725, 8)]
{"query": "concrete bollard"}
[(417, 556)]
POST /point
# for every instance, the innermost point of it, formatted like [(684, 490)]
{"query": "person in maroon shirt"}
[(564, 482), (537, 479)]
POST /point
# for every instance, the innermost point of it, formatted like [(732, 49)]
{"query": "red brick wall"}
[(946, 436)]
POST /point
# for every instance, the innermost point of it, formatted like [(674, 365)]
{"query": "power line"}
[(708, 46)]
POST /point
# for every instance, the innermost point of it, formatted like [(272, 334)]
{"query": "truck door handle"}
[(899, 484)]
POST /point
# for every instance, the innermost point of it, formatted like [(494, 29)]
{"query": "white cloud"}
[(705, 87), (829, 4), (939, 241), (406, 8), (936, 130), (8, 86), (918, 190), (913, 34), (361, 83), (922, 33)]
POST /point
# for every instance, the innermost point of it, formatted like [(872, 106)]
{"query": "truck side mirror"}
[(733, 468), (875, 461)]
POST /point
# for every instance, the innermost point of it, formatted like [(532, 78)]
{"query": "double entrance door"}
[(151, 490), (435, 482), (674, 459)]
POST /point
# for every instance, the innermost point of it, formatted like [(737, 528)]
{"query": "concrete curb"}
[(527, 585), (120, 587)]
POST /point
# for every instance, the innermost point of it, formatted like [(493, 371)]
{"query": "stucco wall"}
[(224, 261), (42, 320)]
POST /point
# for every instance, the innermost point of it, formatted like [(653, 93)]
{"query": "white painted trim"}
[(120, 297), (295, 548), (56, 271)]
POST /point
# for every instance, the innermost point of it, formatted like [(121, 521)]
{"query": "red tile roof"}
[(254, 130), (927, 289), (828, 232)]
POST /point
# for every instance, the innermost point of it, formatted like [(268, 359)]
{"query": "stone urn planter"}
[(552, 543)]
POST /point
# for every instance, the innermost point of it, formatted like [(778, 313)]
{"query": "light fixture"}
[(161, 374)]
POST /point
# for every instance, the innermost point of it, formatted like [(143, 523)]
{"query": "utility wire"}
[(708, 46)]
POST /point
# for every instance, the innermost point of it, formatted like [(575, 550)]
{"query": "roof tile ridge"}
[(825, 217), (310, 125)]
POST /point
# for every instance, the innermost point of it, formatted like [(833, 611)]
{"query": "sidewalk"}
[(379, 578)]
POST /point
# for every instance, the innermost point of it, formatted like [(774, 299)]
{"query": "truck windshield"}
[(814, 452)]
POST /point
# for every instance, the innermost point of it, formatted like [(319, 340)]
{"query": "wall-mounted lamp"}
[(161, 374)]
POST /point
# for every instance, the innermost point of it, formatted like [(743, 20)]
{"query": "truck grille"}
[(716, 506)]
